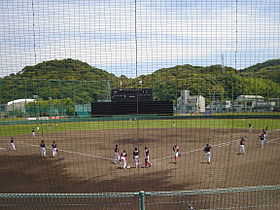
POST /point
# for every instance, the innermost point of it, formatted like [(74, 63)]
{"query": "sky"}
[(131, 38)]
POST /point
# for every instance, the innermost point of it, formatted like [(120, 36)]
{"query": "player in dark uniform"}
[(177, 155), (123, 159), (175, 150), (147, 158), (12, 144), (242, 146), (54, 149), (207, 152), (262, 140), (43, 149), (116, 154), (136, 157), (264, 133)]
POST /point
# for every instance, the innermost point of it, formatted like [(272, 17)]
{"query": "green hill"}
[(58, 79), (259, 66), (213, 82), (66, 69), (267, 70), (82, 83)]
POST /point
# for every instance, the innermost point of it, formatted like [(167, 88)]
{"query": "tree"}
[(50, 107)]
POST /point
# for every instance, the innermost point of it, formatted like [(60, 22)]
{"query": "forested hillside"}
[(211, 82), (266, 70), (58, 79), (81, 83)]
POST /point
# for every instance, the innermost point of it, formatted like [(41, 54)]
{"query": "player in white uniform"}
[(54, 149), (177, 155), (207, 151), (33, 133), (242, 146), (43, 151), (123, 159), (262, 140), (116, 154), (12, 144), (250, 127), (136, 157), (147, 157), (264, 133), (176, 152)]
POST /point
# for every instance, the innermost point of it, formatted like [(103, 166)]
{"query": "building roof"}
[(20, 101), (250, 96)]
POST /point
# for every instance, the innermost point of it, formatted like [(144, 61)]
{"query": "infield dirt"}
[(84, 161)]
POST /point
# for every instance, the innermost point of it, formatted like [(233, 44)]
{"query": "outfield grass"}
[(10, 130)]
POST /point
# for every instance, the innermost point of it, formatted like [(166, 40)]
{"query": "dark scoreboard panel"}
[(127, 108), (131, 95)]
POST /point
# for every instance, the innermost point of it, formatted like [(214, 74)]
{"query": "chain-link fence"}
[(262, 197)]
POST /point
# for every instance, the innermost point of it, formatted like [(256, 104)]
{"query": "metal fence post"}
[(142, 200)]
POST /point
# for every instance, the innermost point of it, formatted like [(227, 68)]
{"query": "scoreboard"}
[(131, 101), (131, 95), (129, 108)]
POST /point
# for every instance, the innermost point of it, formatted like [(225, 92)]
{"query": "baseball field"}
[(85, 151)]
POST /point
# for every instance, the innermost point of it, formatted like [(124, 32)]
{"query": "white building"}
[(219, 106), (252, 103), (275, 104), (190, 104), (249, 98), (18, 104), (244, 103)]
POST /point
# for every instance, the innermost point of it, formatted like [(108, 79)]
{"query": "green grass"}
[(11, 130)]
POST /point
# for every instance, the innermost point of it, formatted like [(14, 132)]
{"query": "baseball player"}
[(12, 144), (207, 151), (54, 149), (147, 157), (174, 151), (43, 151), (33, 133), (262, 140), (123, 159), (116, 154), (264, 134), (136, 157), (190, 207), (250, 127), (177, 155), (242, 146)]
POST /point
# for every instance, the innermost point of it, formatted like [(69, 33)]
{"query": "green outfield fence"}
[(216, 63), (18, 121), (259, 197)]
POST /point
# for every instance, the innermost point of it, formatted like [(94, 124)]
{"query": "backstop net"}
[(139, 104)]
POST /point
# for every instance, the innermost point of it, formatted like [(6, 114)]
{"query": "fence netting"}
[(262, 197), (101, 100)]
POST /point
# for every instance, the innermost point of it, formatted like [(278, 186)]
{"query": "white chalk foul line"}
[(85, 154), (200, 149), (156, 159), (216, 145), (272, 140), (72, 152)]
